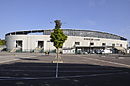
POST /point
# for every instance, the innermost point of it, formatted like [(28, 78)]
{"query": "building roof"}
[(72, 32)]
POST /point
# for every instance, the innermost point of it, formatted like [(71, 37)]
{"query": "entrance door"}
[(19, 43), (40, 44)]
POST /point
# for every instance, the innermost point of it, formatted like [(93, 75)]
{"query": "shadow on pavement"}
[(43, 74), (28, 59)]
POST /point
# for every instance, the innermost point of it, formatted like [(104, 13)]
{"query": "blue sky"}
[(111, 16)]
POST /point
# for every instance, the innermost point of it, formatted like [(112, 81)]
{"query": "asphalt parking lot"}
[(37, 69)]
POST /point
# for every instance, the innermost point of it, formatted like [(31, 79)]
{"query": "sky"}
[(112, 16)]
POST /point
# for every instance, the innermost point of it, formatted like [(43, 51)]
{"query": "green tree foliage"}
[(58, 37), (2, 42)]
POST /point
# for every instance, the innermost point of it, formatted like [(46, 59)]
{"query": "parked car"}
[(107, 51), (98, 51)]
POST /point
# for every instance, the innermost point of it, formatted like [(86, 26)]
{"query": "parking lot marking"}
[(121, 58), (9, 60), (109, 62)]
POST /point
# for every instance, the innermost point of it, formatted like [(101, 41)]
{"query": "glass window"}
[(91, 43), (103, 44), (113, 45), (77, 43)]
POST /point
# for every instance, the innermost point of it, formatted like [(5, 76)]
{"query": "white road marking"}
[(121, 58), (125, 65), (8, 60), (103, 56)]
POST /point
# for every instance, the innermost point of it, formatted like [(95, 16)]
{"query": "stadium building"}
[(79, 41)]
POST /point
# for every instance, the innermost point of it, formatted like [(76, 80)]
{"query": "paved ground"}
[(6, 57), (36, 69)]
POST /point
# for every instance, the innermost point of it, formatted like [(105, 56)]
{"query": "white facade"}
[(30, 42)]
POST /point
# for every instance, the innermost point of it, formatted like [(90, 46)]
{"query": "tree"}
[(2, 42), (57, 36)]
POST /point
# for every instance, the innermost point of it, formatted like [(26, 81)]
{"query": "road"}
[(6, 57), (104, 60), (77, 70), (111, 60)]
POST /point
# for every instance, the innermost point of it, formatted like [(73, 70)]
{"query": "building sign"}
[(91, 39)]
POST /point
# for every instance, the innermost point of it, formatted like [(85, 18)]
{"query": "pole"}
[(57, 69), (57, 64)]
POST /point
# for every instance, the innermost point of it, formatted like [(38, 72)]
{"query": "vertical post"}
[(57, 69), (57, 63)]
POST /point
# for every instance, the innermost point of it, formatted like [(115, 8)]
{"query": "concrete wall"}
[(30, 41), (97, 41)]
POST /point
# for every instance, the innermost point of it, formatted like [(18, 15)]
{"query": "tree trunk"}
[(57, 53)]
